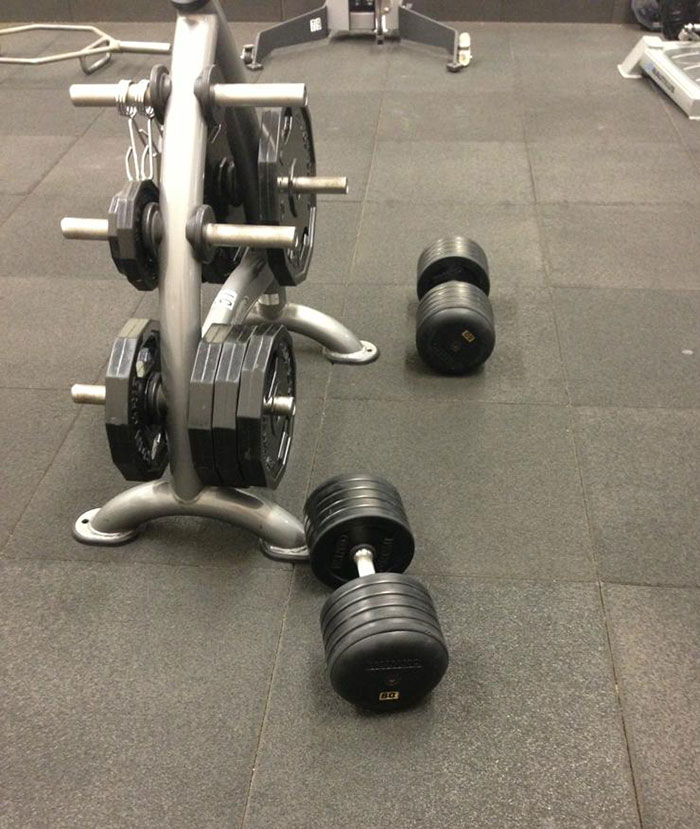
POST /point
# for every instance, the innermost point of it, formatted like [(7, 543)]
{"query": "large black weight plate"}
[(286, 151), (381, 593), (453, 259), (265, 439), (386, 658), (360, 488), (455, 331), (225, 415), (201, 403), (127, 242), (135, 430), (355, 497)]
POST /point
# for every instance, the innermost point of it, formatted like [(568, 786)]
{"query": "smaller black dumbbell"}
[(455, 330), (383, 643)]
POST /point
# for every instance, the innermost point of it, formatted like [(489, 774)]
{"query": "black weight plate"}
[(127, 244), (391, 669), (201, 403), (265, 439), (338, 481), (135, 431), (286, 151), (355, 617), (455, 330), (330, 545), (356, 508), (391, 591), (364, 498), (374, 585), (362, 489), (225, 414), (453, 259)]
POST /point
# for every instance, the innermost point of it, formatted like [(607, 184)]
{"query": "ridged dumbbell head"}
[(455, 331), (453, 259), (382, 638)]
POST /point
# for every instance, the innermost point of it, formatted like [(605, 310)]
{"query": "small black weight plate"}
[(377, 584), (331, 544), (452, 259), (391, 666), (286, 151), (372, 591), (357, 490), (225, 416), (135, 429), (455, 330), (354, 618), (350, 485), (127, 243), (265, 439), (201, 403)]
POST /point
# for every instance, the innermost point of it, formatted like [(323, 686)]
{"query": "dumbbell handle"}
[(254, 236), (364, 561)]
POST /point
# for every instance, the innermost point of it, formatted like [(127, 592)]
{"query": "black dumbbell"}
[(383, 643), (455, 330)]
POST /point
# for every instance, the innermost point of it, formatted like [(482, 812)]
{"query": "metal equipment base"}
[(674, 65), (119, 520), (386, 19)]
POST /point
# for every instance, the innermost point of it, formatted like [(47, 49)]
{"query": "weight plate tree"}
[(133, 414), (382, 638), (455, 329), (286, 154)]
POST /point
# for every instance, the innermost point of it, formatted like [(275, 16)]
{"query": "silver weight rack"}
[(251, 294)]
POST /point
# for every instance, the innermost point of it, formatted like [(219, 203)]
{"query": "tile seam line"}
[(586, 508), (268, 697), (54, 456), (474, 579)]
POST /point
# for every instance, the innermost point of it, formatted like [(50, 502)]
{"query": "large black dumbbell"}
[(383, 643), (455, 330)]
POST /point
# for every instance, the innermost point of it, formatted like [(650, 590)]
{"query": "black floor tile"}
[(343, 157), (424, 172), (27, 158), (350, 116), (625, 246), (630, 348), (457, 115), (393, 235), (656, 638), (7, 205), (641, 475), (133, 695), (337, 228), (25, 415), (576, 171), (31, 244), (523, 731), (55, 332), (41, 112), (489, 490), (524, 367), (622, 115)]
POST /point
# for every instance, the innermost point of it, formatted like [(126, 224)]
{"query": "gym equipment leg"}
[(306, 27), (421, 29)]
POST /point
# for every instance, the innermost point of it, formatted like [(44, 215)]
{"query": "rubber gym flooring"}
[(179, 681)]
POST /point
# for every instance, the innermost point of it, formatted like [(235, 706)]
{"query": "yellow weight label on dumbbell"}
[(385, 696), (468, 336)]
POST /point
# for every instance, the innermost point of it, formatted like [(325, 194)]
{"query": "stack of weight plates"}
[(351, 511), (383, 643)]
